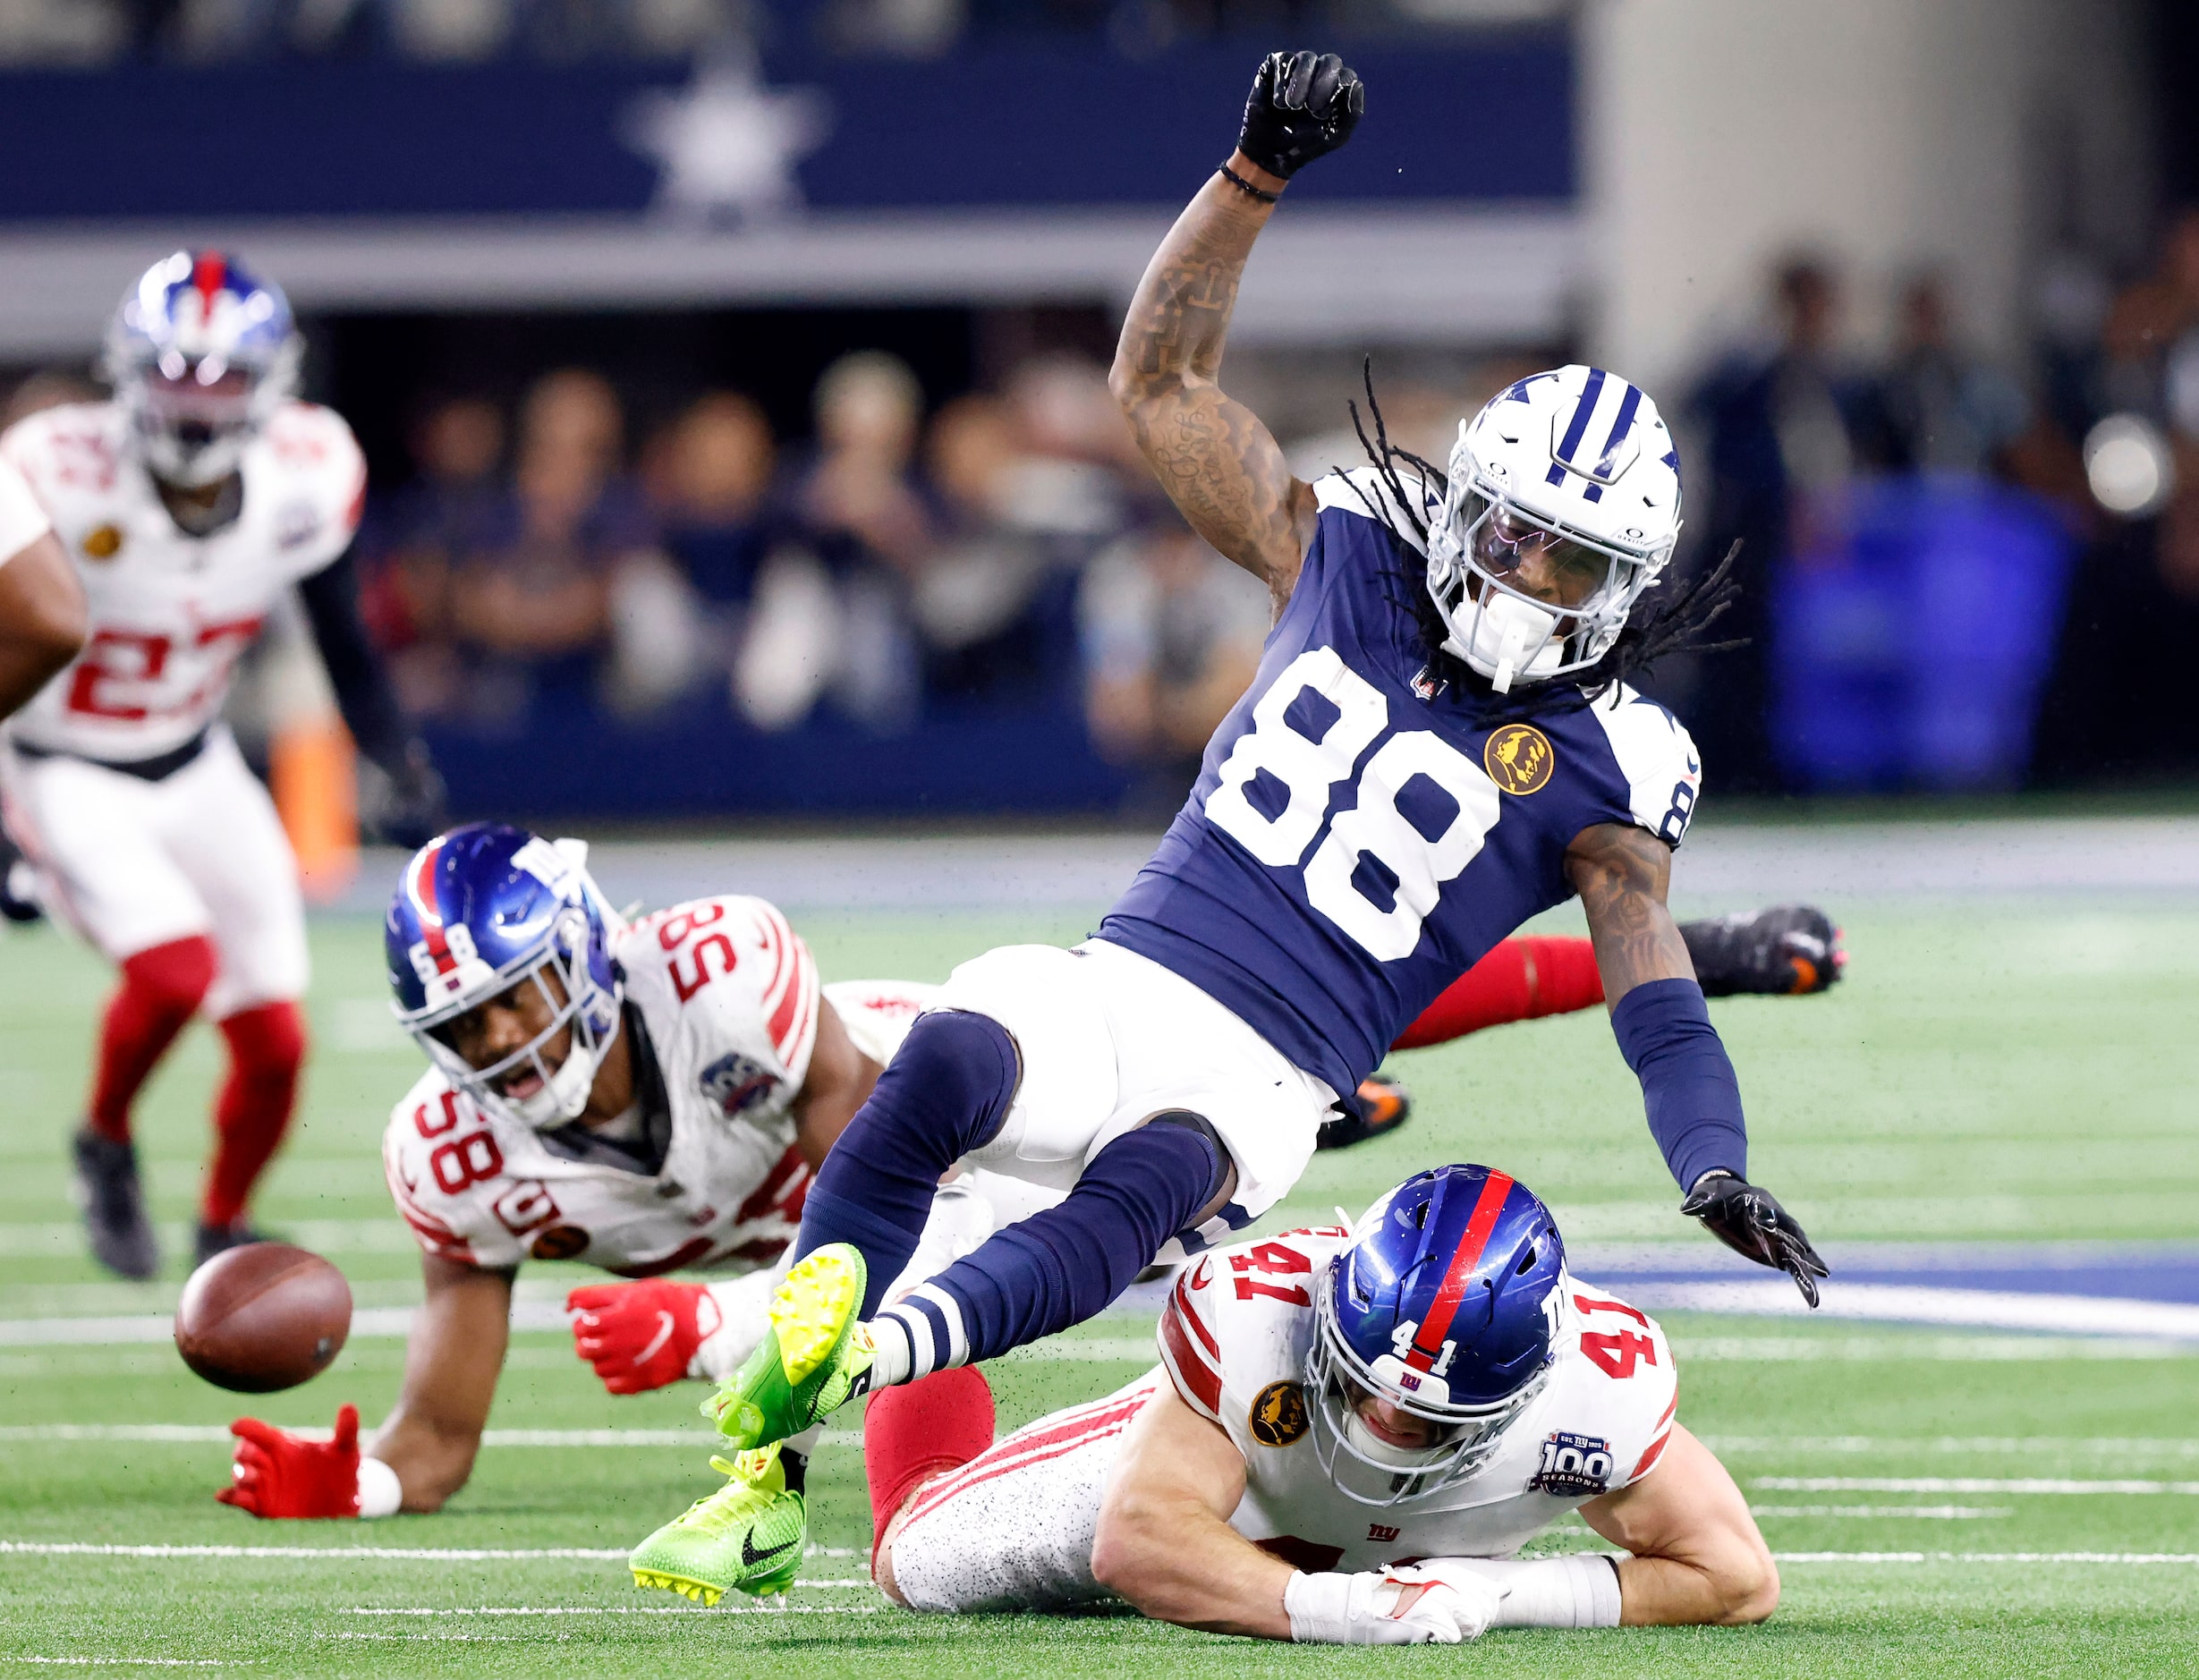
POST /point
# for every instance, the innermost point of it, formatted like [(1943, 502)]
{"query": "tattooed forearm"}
[(1621, 873), (1219, 464)]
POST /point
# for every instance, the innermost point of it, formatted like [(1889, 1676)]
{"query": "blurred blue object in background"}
[(1913, 635)]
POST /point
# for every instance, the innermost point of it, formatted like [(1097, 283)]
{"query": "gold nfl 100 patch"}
[(1518, 758), (1278, 1415)]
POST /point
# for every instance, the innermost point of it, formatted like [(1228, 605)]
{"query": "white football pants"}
[(131, 864)]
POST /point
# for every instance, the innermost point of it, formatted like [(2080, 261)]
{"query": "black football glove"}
[(1748, 1220), (403, 807), (1301, 107)]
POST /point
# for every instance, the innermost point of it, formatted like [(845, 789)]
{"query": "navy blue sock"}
[(1060, 1267), (946, 1092)]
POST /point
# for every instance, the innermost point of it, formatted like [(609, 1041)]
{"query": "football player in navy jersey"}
[(1439, 744)]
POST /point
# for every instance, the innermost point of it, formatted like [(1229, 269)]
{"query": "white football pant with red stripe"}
[(1013, 1529)]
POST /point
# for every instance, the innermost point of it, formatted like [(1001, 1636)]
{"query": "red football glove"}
[(277, 1474), (643, 1335)]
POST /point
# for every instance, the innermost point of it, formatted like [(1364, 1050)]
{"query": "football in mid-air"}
[(262, 1317)]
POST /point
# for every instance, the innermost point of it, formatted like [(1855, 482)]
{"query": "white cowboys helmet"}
[(1573, 468)]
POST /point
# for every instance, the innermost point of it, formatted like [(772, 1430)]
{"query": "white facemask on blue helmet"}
[(486, 909), (1569, 479), (201, 353)]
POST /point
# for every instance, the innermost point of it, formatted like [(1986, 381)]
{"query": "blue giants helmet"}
[(1447, 1306), (201, 354), (482, 910)]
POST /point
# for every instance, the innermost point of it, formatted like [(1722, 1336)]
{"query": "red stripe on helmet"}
[(1428, 1340), (423, 889), (209, 274)]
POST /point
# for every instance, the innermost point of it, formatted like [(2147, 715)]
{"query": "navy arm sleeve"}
[(1688, 1087), (363, 695)]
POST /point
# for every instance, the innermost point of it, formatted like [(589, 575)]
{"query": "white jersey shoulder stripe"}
[(1365, 492), (1657, 756)]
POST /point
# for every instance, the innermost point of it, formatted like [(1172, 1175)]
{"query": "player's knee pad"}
[(950, 1084), (1061, 1265), (267, 1042), (947, 1089), (1164, 1174), (1215, 1152), (174, 978)]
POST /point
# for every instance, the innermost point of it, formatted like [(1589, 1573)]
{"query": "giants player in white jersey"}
[(1349, 1437), (188, 504), (648, 1097)]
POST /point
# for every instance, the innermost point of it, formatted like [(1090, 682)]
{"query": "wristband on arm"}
[(1581, 1590), (1688, 1087), (380, 1491)]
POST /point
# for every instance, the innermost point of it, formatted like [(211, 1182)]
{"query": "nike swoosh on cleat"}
[(751, 1557)]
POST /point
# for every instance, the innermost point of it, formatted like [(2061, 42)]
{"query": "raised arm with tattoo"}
[(1664, 1030), (1219, 463)]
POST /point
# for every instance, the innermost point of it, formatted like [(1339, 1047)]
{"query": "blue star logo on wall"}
[(725, 145)]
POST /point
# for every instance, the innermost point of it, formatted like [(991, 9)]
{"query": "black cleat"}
[(18, 884), (1785, 951), (1376, 1108), (113, 1205)]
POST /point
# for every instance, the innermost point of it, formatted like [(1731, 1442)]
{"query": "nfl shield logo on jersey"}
[(1572, 1465), (735, 1082)]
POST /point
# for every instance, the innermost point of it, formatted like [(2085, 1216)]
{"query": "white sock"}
[(743, 1307), (380, 1491), (891, 1356), (1577, 1591)]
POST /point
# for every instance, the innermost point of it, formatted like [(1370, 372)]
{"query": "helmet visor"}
[(1525, 555)]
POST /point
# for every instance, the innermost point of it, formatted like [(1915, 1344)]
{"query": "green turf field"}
[(2011, 1074)]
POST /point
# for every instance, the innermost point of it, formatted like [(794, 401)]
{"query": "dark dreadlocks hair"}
[(1669, 618)]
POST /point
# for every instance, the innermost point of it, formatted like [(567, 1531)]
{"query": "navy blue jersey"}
[(1361, 833)]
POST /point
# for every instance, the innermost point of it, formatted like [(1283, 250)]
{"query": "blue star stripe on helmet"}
[(1566, 450), (1607, 466)]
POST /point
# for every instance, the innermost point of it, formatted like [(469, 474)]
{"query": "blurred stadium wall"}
[(1974, 135)]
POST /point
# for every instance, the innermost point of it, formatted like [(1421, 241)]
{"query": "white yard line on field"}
[(2013, 1446), (1986, 1557), (562, 1609), (412, 1554), (1917, 1303), (1911, 1349), (1930, 1512), (212, 1434), (1963, 1484)]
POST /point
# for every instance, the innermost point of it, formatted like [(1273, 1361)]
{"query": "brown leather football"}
[(263, 1317)]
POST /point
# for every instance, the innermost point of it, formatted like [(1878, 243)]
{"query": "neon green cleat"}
[(747, 1535), (806, 1366)]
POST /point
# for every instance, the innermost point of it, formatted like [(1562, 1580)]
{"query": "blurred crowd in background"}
[(1937, 547), (1940, 549), (894, 565)]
